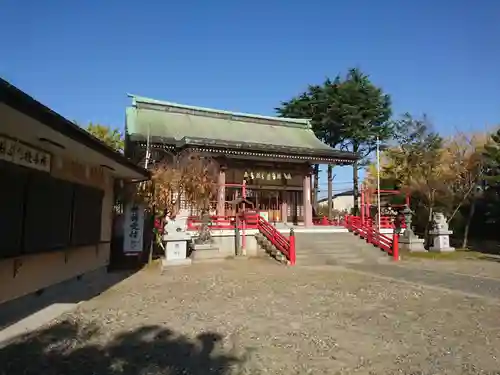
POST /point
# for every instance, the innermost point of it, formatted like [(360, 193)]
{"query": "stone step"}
[(212, 253), (336, 248), (208, 260)]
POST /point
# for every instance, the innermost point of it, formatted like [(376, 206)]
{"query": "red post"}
[(368, 202), (324, 221), (292, 248), (363, 206), (244, 221), (395, 246)]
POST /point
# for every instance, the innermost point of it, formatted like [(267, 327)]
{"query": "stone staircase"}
[(336, 249), (269, 248), (328, 249)]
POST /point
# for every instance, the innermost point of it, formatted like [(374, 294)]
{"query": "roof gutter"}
[(22, 102)]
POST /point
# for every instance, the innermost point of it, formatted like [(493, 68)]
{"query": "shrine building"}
[(273, 155)]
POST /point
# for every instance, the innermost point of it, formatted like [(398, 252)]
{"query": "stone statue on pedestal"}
[(204, 236), (204, 247), (441, 233)]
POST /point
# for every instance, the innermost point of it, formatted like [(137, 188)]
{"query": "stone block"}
[(165, 263), (412, 244)]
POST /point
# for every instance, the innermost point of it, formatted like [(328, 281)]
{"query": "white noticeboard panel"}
[(133, 229), (176, 250), (264, 215)]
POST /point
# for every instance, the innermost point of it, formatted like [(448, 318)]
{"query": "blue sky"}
[(440, 57)]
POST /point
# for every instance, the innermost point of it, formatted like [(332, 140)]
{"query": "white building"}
[(341, 202)]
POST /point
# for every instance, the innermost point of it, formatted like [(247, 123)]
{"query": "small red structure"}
[(369, 199)]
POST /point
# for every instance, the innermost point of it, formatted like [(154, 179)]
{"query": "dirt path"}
[(257, 317), (479, 268), (442, 278)]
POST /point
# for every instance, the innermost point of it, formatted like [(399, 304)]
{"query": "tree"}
[(111, 137), (363, 111), (188, 177), (466, 164), (491, 180), (416, 163), (313, 104), (350, 111)]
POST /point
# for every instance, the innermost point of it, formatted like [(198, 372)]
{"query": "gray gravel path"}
[(258, 317), (481, 286)]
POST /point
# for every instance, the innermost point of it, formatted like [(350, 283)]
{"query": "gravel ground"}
[(482, 268), (473, 285), (257, 317)]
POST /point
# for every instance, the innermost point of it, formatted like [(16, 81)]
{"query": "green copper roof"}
[(174, 123)]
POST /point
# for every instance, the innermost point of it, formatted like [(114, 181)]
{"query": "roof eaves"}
[(24, 103), (248, 146)]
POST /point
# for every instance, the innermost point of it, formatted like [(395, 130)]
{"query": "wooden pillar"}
[(284, 207), (306, 200), (221, 191), (315, 191), (330, 192)]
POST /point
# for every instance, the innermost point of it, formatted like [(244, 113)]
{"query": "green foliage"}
[(362, 110), (491, 183), (413, 158), (313, 104), (111, 137), (349, 111), (492, 160)]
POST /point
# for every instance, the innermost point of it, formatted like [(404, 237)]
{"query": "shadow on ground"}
[(67, 348), (71, 291)]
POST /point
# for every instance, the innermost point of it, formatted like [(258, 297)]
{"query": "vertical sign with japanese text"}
[(134, 229)]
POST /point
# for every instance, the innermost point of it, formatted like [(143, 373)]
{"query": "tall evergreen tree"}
[(491, 183), (350, 111)]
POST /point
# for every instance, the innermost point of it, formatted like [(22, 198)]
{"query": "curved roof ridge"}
[(141, 99)]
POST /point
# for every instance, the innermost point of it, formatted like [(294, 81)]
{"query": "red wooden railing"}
[(323, 221), (222, 222), (285, 245), (370, 233)]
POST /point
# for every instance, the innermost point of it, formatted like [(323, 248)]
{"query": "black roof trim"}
[(343, 194), (22, 102), (247, 146)]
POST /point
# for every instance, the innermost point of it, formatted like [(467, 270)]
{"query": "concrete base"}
[(412, 244), (442, 250), (208, 253), (224, 240), (175, 262)]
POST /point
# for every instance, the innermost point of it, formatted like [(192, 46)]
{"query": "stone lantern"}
[(409, 241)]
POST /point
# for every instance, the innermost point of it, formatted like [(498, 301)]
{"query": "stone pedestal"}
[(207, 253), (441, 234), (441, 242), (175, 241), (410, 242)]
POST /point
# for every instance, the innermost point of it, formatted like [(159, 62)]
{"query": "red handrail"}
[(284, 245), (222, 222), (368, 232)]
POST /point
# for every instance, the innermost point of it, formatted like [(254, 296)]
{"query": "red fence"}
[(368, 232), (285, 245)]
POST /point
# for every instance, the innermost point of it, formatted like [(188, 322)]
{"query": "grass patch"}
[(458, 254)]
